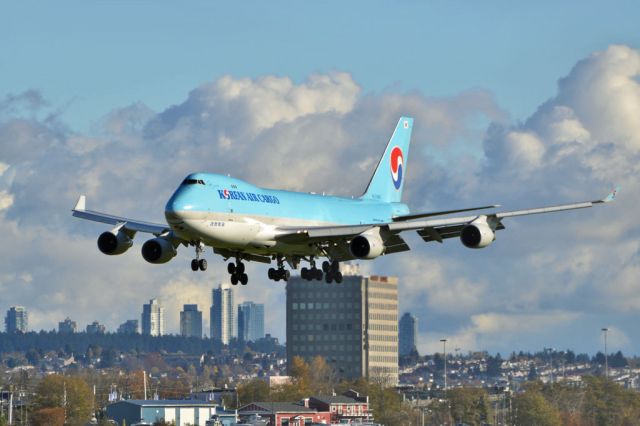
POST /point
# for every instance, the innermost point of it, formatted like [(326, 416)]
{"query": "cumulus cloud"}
[(323, 134)]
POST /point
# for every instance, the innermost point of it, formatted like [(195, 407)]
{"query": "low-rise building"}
[(347, 408), (284, 413), (180, 412)]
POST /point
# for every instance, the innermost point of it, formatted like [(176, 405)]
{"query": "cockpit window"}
[(193, 182)]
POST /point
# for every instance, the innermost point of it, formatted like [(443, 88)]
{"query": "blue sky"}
[(515, 103), (98, 55)]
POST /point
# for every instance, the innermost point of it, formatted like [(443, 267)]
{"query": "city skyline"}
[(506, 97)]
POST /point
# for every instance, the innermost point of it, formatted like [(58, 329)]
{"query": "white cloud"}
[(323, 135)]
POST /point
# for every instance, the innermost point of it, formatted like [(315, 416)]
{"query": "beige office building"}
[(353, 325)]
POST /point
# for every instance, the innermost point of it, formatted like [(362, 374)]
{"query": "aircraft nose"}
[(177, 205)]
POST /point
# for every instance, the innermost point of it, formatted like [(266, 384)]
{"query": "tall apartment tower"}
[(191, 321), (407, 335), (250, 321), (17, 320), (222, 314), (129, 327), (67, 326), (353, 325), (153, 318)]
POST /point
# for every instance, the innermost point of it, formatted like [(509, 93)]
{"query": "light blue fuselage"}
[(227, 212)]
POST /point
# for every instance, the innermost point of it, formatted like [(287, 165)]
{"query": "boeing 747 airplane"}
[(243, 222)]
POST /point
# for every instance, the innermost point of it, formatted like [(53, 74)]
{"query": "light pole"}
[(444, 349), (606, 357)]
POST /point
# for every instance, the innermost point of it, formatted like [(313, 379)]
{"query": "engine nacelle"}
[(477, 234), (366, 246), (158, 250), (114, 242)]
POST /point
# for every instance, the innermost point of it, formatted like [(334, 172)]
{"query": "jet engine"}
[(367, 246), (113, 242), (477, 234), (158, 250)]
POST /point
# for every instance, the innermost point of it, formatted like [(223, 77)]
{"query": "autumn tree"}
[(70, 393), (254, 390), (534, 410), (469, 405), (48, 417)]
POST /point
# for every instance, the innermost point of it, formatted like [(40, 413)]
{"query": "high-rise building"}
[(67, 326), (250, 321), (222, 314), (17, 320), (96, 328), (191, 321), (408, 331), (153, 318), (353, 325), (129, 327)]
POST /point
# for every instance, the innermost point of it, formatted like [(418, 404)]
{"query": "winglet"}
[(612, 195), (81, 204)]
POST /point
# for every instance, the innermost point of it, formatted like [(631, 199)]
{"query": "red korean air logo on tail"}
[(397, 164)]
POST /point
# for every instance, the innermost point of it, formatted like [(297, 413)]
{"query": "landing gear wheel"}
[(202, 264), (194, 265), (318, 274), (244, 279), (239, 268), (271, 273), (326, 266), (304, 273), (335, 267), (338, 277), (285, 275), (328, 278), (234, 279), (231, 268)]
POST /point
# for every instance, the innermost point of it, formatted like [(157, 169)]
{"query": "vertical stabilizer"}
[(388, 179)]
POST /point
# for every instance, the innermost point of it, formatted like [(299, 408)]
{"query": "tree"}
[(607, 403), (469, 405), (322, 376), (534, 410), (255, 390), (48, 417), (494, 365), (533, 372), (51, 393), (301, 373)]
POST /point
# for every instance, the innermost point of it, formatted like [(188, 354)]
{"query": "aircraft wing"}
[(429, 230), (130, 224)]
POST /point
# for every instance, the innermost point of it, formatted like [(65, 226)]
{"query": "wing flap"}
[(314, 233), (395, 244), (440, 213)]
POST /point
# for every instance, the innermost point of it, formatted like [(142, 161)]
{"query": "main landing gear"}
[(198, 263), (236, 270), (331, 272), (280, 273)]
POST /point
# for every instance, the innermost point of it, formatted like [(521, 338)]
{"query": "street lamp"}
[(444, 349), (606, 357)]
